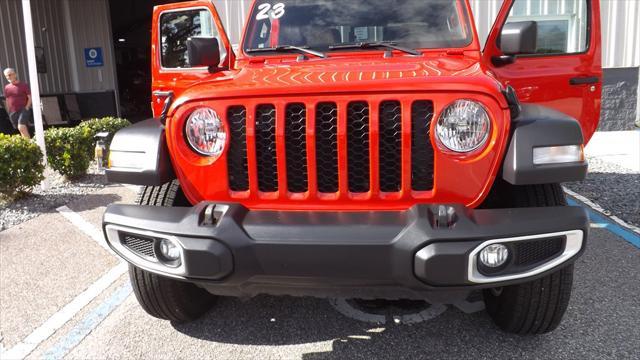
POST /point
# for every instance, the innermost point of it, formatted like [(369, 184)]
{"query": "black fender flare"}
[(138, 155), (539, 126)]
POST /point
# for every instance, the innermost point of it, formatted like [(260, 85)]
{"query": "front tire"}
[(163, 297), (537, 306), (169, 299)]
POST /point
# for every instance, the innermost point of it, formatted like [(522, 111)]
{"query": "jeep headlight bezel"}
[(463, 126), (206, 133)]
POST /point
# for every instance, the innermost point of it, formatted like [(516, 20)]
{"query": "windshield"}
[(319, 24)]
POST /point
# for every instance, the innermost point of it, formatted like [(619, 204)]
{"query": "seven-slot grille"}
[(372, 141)]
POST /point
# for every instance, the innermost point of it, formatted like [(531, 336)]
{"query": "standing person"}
[(18, 97)]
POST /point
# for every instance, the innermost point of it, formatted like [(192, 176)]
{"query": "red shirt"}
[(16, 96)]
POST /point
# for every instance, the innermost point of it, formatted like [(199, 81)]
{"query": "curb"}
[(597, 214), (602, 211)]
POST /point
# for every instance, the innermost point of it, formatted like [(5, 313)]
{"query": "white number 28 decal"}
[(266, 11)]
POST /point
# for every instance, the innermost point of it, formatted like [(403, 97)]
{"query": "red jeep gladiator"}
[(365, 149)]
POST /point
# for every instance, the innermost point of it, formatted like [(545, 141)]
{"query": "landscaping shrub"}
[(69, 150), (21, 166), (109, 124)]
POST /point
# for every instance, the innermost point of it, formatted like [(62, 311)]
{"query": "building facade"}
[(63, 29)]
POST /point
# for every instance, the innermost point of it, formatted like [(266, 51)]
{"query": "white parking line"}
[(602, 211), (85, 226), (57, 320), (134, 188)]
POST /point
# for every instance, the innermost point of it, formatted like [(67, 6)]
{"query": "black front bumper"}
[(417, 253)]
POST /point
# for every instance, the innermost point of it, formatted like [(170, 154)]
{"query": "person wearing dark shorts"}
[(18, 97)]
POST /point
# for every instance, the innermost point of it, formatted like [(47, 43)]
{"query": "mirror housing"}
[(519, 38), (203, 51)]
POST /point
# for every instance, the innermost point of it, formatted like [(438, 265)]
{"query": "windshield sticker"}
[(361, 33), (266, 11)]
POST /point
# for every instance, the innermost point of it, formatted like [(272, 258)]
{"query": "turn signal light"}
[(558, 154)]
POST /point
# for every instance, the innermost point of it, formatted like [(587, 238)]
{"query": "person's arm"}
[(28, 106)]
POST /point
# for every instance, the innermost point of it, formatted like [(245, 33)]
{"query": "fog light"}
[(494, 255), (558, 154), (169, 250)]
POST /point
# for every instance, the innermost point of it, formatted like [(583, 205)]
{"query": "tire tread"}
[(159, 296), (537, 306)]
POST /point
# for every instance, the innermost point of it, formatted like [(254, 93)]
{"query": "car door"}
[(173, 24), (565, 71)]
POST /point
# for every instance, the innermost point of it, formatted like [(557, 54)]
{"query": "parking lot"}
[(64, 295)]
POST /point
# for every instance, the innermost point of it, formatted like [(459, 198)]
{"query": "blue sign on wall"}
[(93, 57)]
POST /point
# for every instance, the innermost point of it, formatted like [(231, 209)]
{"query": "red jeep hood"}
[(322, 76)]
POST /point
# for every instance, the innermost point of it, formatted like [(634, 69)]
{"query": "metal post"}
[(638, 101), (116, 86), (33, 76)]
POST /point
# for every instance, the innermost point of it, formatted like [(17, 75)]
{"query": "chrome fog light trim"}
[(574, 241), (174, 269)]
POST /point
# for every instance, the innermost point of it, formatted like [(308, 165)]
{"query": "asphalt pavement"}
[(65, 296)]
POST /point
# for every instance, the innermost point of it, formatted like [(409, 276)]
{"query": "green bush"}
[(69, 150), (109, 124), (21, 165)]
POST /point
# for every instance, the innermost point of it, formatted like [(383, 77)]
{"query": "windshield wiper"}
[(288, 48), (377, 44)]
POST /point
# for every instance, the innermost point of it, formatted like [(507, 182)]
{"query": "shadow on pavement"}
[(93, 201), (601, 322), (42, 204), (267, 320)]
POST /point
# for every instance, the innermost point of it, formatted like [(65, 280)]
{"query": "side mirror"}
[(519, 38), (203, 51)]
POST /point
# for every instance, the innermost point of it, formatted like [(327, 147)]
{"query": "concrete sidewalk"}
[(618, 147)]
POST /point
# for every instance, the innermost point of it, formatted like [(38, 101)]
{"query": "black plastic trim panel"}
[(538, 126), (146, 142)]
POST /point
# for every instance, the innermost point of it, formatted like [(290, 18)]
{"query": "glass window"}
[(318, 24), (562, 25), (176, 28)]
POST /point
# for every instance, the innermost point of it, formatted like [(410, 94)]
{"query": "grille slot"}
[(421, 148), (296, 147), (390, 127), (140, 245), (237, 154), (528, 253), (327, 147), (358, 146), (266, 148)]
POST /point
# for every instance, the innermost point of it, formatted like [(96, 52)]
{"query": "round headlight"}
[(463, 126), (205, 132)]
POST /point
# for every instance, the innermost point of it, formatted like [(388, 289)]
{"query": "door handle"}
[(584, 80), (502, 60)]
